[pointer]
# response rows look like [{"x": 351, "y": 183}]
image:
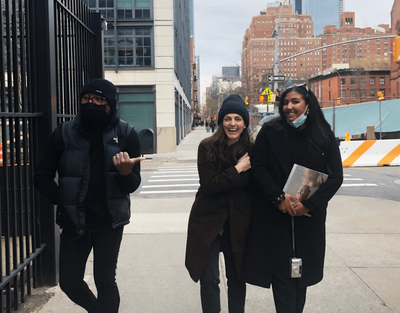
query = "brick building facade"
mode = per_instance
[
  {"x": 394, "y": 67},
  {"x": 296, "y": 35},
  {"x": 350, "y": 86},
  {"x": 378, "y": 48}
]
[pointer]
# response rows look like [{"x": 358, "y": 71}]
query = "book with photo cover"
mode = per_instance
[{"x": 303, "y": 182}]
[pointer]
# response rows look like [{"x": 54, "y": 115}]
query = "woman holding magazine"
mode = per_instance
[
  {"x": 286, "y": 244},
  {"x": 220, "y": 215}
]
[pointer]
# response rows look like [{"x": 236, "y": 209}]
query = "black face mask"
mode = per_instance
[{"x": 94, "y": 115}]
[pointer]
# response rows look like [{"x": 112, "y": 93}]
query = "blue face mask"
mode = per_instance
[{"x": 299, "y": 121}]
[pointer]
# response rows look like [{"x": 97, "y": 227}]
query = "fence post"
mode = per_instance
[
  {"x": 97, "y": 26},
  {"x": 44, "y": 90}
]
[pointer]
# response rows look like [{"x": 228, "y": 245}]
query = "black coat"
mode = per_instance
[
  {"x": 222, "y": 194},
  {"x": 269, "y": 247}
]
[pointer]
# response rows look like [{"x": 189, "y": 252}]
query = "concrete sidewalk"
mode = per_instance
[{"x": 362, "y": 269}]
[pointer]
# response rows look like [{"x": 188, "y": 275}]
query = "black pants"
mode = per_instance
[
  {"x": 288, "y": 297},
  {"x": 73, "y": 257},
  {"x": 209, "y": 280}
]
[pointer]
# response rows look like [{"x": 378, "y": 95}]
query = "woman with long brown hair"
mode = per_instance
[{"x": 221, "y": 212}]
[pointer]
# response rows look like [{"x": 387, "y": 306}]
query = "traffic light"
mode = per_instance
[
  {"x": 396, "y": 49},
  {"x": 380, "y": 95},
  {"x": 262, "y": 98},
  {"x": 338, "y": 100}
]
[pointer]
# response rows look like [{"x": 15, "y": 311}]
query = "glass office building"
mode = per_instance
[{"x": 323, "y": 12}]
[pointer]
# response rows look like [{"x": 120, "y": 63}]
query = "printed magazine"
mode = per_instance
[{"x": 303, "y": 182}]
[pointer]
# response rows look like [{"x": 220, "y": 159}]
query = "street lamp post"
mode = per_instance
[{"x": 276, "y": 35}]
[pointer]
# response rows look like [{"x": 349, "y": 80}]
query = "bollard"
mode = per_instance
[
  {"x": 1, "y": 154},
  {"x": 347, "y": 136}
]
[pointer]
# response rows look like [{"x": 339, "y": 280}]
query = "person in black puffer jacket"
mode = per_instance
[{"x": 97, "y": 157}]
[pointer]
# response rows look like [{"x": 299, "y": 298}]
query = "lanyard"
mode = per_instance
[{"x": 294, "y": 248}]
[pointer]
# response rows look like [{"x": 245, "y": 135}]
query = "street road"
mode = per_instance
[{"x": 174, "y": 180}]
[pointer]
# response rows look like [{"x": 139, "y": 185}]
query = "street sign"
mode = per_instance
[{"x": 272, "y": 78}]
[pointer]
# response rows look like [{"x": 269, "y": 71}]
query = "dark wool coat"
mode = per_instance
[
  {"x": 222, "y": 195},
  {"x": 269, "y": 247}
]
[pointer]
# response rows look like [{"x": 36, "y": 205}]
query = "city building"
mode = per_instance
[
  {"x": 147, "y": 55},
  {"x": 222, "y": 84},
  {"x": 395, "y": 67},
  {"x": 323, "y": 12},
  {"x": 375, "y": 50},
  {"x": 296, "y": 35},
  {"x": 349, "y": 86},
  {"x": 231, "y": 72}
]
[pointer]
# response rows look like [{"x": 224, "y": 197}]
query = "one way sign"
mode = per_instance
[{"x": 272, "y": 78}]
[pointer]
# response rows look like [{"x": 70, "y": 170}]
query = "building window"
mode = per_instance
[
  {"x": 353, "y": 94},
  {"x": 362, "y": 93},
  {"x": 343, "y": 93},
  {"x": 383, "y": 92},
  {"x": 362, "y": 81},
  {"x": 372, "y": 80},
  {"x": 381, "y": 80},
  {"x": 128, "y": 9},
  {"x": 352, "y": 80},
  {"x": 343, "y": 81},
  {"x": 372, "y": 93},
  {"x": 133, "y": 46}
]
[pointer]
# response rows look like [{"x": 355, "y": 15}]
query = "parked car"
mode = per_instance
[{"x": 256, "y": 130}]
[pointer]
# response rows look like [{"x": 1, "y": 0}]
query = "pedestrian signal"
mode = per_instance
[
  {"x": 262, "y": 98},
  {"x": 380, "y": 95}
]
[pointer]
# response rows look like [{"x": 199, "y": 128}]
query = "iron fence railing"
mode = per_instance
[{"x": 50, "y": 49}]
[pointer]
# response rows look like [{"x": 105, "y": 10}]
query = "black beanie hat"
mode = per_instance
[
  {"x": 102, "y": 87},
  {"x": 233, "y": 104}
]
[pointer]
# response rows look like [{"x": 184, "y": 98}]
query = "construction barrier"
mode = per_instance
[{"x": 370, "y": 152}]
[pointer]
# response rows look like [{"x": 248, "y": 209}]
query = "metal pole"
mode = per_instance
[
  {"x": 380, "y": 121},
  {"x": 276, "y": 35}
]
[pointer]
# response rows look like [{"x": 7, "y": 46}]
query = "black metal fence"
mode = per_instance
[{"x": 50, "y": 49}]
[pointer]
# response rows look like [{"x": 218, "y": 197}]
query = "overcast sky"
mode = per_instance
[{"x": 220, "y": 26}]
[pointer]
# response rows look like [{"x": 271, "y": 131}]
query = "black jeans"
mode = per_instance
[
  {"x": 73, "y": 257},
  {"x": 209, "y": 280},
  {"x": 288, "y": 297}
]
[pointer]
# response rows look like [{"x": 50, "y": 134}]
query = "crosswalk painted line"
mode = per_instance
[
  {"x": 190, "y": 175},
  {"x": 175, "y": 185},
  {"x": 359, "y": 185},
  {"x": 167, "y": 191},
  {"x": 347, "y": 178},
  {"x": 176, "y": 172},
  {"x": 172, "y": 179}
]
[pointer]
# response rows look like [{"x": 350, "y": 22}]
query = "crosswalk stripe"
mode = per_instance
[
  {"x": 352, "y": 179},
  {"x": 171, "y": 179},
  {"x": 176, "y": 172},
  {"x": 190, "y": 175},
  {"x": 167, "y": 191},
  {"x": 172, "y": 186},
  {"x": 358, "y": 185}
]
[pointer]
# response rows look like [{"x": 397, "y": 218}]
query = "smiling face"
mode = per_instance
[
  {"x": 294, "y": 105},
  {"x": 233, "y": 126}
]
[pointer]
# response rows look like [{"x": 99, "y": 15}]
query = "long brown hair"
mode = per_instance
[{"x": 219, "y": 147}]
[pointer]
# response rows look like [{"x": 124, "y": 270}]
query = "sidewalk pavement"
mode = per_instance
[{"x": 362, "y": 268}]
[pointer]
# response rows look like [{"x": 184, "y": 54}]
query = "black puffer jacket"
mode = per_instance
[{"x": 68, "y": 153}]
